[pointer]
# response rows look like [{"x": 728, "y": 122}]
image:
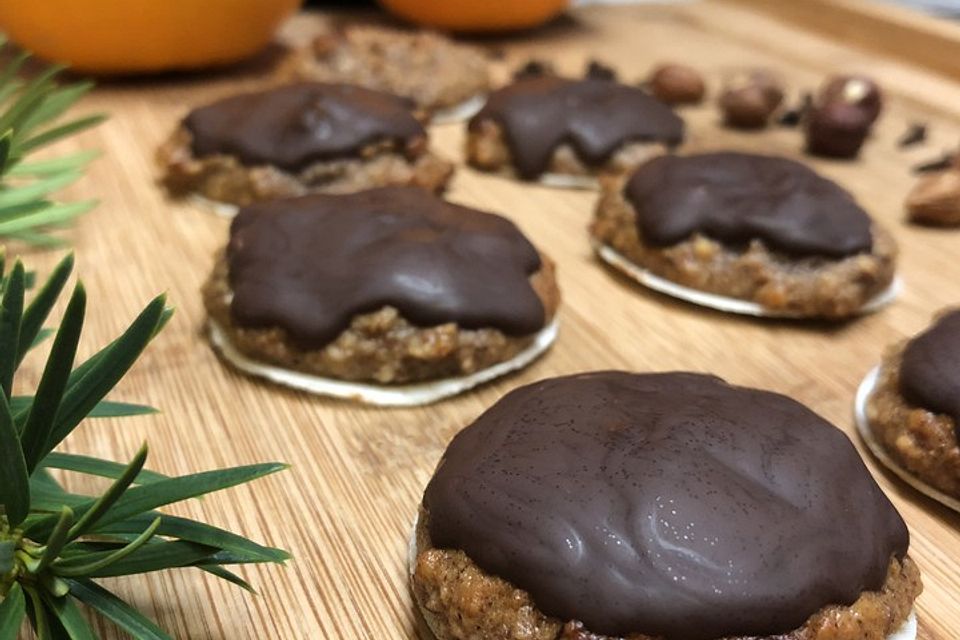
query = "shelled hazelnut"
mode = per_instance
[
  {"x": 750, "y": 98},
  {"x": 676, "y": 84}
]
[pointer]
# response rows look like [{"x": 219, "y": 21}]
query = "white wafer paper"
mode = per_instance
[
  {"x": 459, "y": 112},
  {"x": 876, "y": 448},
  {"x": 719, "y": 302},
  {"x": 381, "y": 395},
  {"x": 222, "y": 209},
  {"x": 564, "y": 181}
]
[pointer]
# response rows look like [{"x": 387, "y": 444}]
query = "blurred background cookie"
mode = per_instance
[
  {"x": 447, "y": 79},
  {"x": 567, "y": 132},
  {"x": 295, "y": 139}
]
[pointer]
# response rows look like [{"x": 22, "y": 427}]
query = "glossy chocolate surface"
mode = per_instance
[
  {"x": 672, "y": 505},
  {"x": 930, "y": 371},
  {"x": 309, "y": 265},
  {"x": 293, "y": 126},
  {"x": 596, "y": 117},
  {"x": 735, "y": 198}
]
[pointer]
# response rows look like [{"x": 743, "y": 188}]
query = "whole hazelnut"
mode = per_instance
[
  {"x": 677, "y": 84},
  {"x": 750, "y": 98},
  {"x": 837, "y": 129},
  {"x": 857, "y": 90}
]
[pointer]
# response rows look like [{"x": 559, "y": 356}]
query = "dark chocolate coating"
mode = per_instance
[
  {"x": 930, "y": 371},
  {"x": 672, "y": 505},
  {"x": 596, "y": 117},
  {"x": 310, "y": 264},
  {"x": 295, "y": 125},
  {"x": 737, "y": 197}
]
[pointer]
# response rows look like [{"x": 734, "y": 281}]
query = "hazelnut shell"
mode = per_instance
[
  {"x": 857, "y": 90},
  {"x": 837, "y": 130}
]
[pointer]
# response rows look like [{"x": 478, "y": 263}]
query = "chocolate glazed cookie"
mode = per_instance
[
  {"x": 670, "y": 506},
  {"x": 914, "y": 409},
  {"x": 754, "y": 228},
  {"x": 570, "y": 127},
  {"x": 388, "y": 286},
  {"x": 298, "y": 138}
]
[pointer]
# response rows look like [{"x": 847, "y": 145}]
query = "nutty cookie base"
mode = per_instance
[
  {"x": 459, "y": 601},
  {"x": 223, "y": 178},
  {"x": 807, "y": 287},
  {"x": 487, "y": 150},
  {"x": 380, "y": 347},
  {"x": 922, "y": 442}
]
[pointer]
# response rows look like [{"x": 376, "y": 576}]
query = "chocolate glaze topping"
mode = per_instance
[
  {"x": 672, "y": 505},
  {"x": 737, "y": 197},
  {"x": 930, "y": 371},
  {"x": 296, "y": 125},
  {"x": 310, "y": 264},
  {"x": 597, "y": 117}
]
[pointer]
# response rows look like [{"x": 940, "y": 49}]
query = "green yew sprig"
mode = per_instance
[
  {"x": 56, "y": 545},
  {"x": 30, "y": 119}
]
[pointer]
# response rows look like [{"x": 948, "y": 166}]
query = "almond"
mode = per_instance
[{"x": 935, "y": 199}]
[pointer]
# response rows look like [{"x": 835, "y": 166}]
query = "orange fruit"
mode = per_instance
[
  {"x": 477, "y": 15},
  {"x": 136, "y": 36}
]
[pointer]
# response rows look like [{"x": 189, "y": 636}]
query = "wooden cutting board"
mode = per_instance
[{"x": 345, "y": 508}]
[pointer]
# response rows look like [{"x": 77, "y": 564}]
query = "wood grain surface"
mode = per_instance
[
  {"x": 881, "y": 27},
  {"x": 346, "y": 506}
]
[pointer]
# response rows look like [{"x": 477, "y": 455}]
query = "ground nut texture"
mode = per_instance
[
  {"x": 808, "y": 286},
  {"x": 460, "y": 601},
  {"x": 487, "y": 149},
  {"x": 919, "y": 440},
  {"x": 381, "y": 346},
  {"x": 428, "y": 68},
  {"x": 224, "y": 178}
]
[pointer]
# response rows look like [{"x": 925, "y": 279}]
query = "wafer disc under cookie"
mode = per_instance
[
  {"x": 719, "y": 302},
  {"x": 866, "y": 433},
  {"x": 222, "y": 209},
  {"x": 907, "y": 632},
  {"x": 382, "y": 395},
  {"x": 459, "y": 112},
  {"x": 564, "y": 181}
]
